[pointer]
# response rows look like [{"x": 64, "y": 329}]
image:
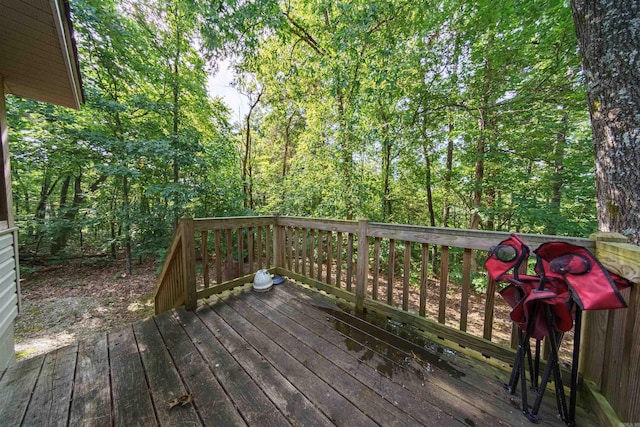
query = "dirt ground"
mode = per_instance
[{"x": 63, "y": 303}]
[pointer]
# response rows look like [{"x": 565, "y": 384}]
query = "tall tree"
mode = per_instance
[{"x": 608, "y": 34}]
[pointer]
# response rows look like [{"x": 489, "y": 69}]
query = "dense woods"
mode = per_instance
[{"x": 454, "y": 114}]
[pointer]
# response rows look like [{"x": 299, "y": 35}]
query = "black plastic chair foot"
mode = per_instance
[{"x": 532, "y": 417}]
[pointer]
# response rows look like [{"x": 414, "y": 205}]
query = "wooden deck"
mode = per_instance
[{"x": 286, "y": 357}]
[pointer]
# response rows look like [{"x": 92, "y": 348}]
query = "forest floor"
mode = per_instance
[{"x": 66, "y": 302}]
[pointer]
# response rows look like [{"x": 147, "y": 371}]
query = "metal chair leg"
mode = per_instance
[{"x": 574, "y": 367}]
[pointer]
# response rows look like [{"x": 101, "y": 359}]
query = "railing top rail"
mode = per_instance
[
  {"x": 337, "y": 225},
  {"x": 225, "y": 223},
  {"x": 456, "y": 237},
  {"x": 177, "y": 238}
]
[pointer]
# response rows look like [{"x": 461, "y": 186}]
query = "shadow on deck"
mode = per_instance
[{"x": 285, "y": 357}]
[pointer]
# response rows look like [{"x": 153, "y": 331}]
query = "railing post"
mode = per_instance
[
  {"x": 362, "y": 266},
  {"x": 278, "y": 243},
  {"x": 610, "y": 338},
  {"x": 189, "y": 263}
]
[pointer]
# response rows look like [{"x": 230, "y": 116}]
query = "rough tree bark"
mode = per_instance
[
  {"x": 247, "y": 175},
  {"x": 609, "y": 38}
]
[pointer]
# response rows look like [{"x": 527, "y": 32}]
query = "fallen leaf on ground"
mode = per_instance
[{"x": 180, "y": 401}]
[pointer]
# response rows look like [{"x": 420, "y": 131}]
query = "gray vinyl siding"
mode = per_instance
[{"x": 9, "y": 294}]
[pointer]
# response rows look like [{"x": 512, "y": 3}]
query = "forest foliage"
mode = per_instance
[{"x": 456, "y": 114}]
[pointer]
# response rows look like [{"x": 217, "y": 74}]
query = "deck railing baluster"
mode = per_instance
[
  {"x": 391, "y": 261},
  {"x": 488, "y": 309},
  {"x": 466, "y": 288},
  {"x": 205, "y": 257},
  {"x": 218, "y": 250},
  {"x": 290, "y": 261},
  {"x": 362, "y": 266},
  {"x": 259, "y": 247},
  {"x": 339, "y": 260},
  {"x": 424, "y": 272},
  {"x": 229, "y": 255},
  {"x": 250, "y": 248},
  {"x": 319, "y": 259},
  {"x": 329, "y": 257},
  {"x": 376, "y": 268},
  {"x": 349, "y": 260},
  {"x": 311, "y": 252},
  {"x": 240, "y": 243},
  {"x": 444, "y": 280},
  {"x": 406, "y": 275},
  {"x": 267, "y": 247},
  {"x": 303, "y": 260},
  {"x": 296, "y": 250}
]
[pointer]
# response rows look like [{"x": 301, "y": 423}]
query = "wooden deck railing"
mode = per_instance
[
  {"x": 176, "y": 284},
  {"x": 409, "y": 274}
]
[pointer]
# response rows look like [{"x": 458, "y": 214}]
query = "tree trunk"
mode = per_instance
[
  {"x": 607, "y": 33},
  {"x": 447, "y": 175},
  {"x": 67, "y": 214},
  {"x": 428, "y": 184},
  {"x": 386, "y": 177},
  {"x": 346, "y": 157},
  {"x": 175, "y": 71},
  {"x": 558, "y": 180},
  {"x": 127, "y": 225},
  {"x": 478, "y": 176},
  {"x": 247, "y": 171},
  {"x": 62, "y": 210},
  {"x": 285, "y": 157}
]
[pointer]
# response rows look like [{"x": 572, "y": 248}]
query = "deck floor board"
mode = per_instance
[
  {"x": 384, "y": 375},
  {"x": 51, "y": 397},
  {"x": 237, "y": 378},
  {"x": 335, "y": 406},
  {"x": 285, "y": 357},
  {"x": 131, "y": 398},
  {"x": 405, "y": 406},
  {"x": 359, "y": 394},
  {"x": 467, "y": 395},
  {"x": 91, "y": 398},
  {"x": 162, "y": 377}
]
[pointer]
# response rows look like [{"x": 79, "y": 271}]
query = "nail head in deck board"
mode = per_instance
[
  {"x": 208, "y": 397},
  {"x": 275, "y": 384},
  {"x": 131, "y": 399},
  {"x": 164, "y": 382},
  {"x": 16, "y": 386},
  {"x": 371, "y": 403},
  {"x": 337, "y": 408},
  {"x": 52, "y": 394},
  {"x": 91, "y": 402},
  {"x": 263, "y": 396}
]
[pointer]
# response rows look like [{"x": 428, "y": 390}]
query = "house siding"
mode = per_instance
[{"x": 9, "y": 294}]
